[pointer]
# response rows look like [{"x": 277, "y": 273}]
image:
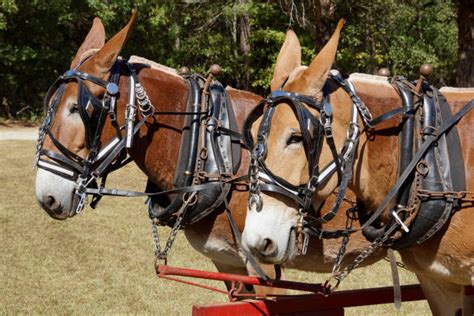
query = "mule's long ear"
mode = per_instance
[
  {"x": 95, "y": 39},
  {"x": 101, "y": 63},
  {"x": 315, "y": 75},
  {"x": 288, "y": 59}
]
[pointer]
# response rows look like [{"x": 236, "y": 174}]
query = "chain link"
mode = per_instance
[
  {"x": 449, "y": 195},
  {"x": 399, "y": 264},
  {"x": 42, "y": 134},
  {"x": 345, "y": 239},
  {"x": 340, "y": 255},
  {"x": 163, "y": 254},
  {"x": 255, "y": 200},
  {"x": 372, "y": 248},
  {"x": 144, "y": 103},
  {"x": 39, "y": 144},
  {"x": 156, "y": 238}
]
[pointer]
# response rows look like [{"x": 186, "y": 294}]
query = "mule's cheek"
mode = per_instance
[{"x": 55, "y": 194}]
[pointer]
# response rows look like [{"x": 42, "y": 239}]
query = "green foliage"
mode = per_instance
[
  {"x": 38, "y": 39},
  {"x": 399, "y": 35}
]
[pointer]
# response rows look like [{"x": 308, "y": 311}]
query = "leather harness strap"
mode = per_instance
[
  {"x": 100, "y": 162},
  {"x": 272, "y": 183},
  {"x": 403, "y": 177}
]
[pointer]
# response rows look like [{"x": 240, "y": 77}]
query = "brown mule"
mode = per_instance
[
  {"x": 155, "y": 151},
  {"x": 444, "y": 263}
]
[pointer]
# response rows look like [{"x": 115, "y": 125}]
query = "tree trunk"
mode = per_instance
[
  {"x": 316, "y": 16},
  {"x": 244, "y": 22},
  {"x": 465, "y": 69},
  {"x": 321, "y": 18}
]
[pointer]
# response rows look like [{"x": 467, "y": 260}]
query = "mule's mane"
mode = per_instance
[
  {"x": 366, "y": 78},
  {"x": 154, "y": 65},
  {"x": 374, "y": 79},
  {"x": 455, "y": 89},
  {"x": 136, "y": 60}
]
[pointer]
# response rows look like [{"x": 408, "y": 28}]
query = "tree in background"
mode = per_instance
[
  {"x": 399, "y": 35},
  {"x": 37, "y": 42},
  {"x": 465, "y": 20},
  {"x": 39, "y": 38}
]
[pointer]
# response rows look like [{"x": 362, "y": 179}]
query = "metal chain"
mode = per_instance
[
  {"x": 255, "y": 200},
  {"x": 42, "y": 134},
  {"x": 144, "y": 103},
  {"x": 39, "y": 143},
  {"x": 340, "y": 255},
  {"x": 349, "y": 88},
  {"x": 363, "y": 109},
  {"x": 163, "y": 254},
  {"x": 348, "y": 200},
  {"x": 374, "y": 246},
  {"x": 345, "y": 241},
  {"x": 449, "y": 195},
  {"x": 156, "y": 238},
  {"x": 399, "y": 264}
]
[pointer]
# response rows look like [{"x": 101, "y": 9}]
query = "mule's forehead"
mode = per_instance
[
  {"x": 285, "y": 115},
  {"x": 293, "y": 83}
]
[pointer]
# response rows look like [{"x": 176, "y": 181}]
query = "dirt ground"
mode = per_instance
[
  {"x": 102, "y": 262},
  {"x": 18, "y": 132}
]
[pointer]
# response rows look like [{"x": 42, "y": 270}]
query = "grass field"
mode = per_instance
[{"x": 101, "y": 262}]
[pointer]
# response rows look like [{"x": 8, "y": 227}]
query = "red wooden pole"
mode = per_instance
[
  {"x": 252, "y": 280},
  {"x": 311, "y": 304}
]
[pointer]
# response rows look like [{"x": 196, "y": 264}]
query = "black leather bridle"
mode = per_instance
[
  {"x": 314, "y": 130},
  {"x": 101, "y": 160},
  {"x": 311, "y": 132}
]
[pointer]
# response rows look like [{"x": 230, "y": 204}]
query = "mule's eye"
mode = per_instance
[
  {"x": 295, "y": 138},
  {"x": 74, "y": 108}
]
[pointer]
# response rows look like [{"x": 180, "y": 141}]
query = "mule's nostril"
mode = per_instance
[
  {"x": 267, "y": 247},
  {"x": 267, "y": 243},
  {"x": 51, "y": 203}
]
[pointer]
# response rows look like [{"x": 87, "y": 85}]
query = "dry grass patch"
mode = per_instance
[{"x": 101, "y": 262}]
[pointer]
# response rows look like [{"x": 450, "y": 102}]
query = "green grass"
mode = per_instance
[{"x": 101, "y": 262}]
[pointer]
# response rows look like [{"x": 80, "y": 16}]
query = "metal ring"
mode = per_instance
[{"x": 255, "y": 200}]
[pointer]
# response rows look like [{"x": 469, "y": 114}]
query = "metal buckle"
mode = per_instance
[
  {"x": 399, "y": 221},
  {"x": 255, "y": 200},
  {"x": 82, "y": 201},
  {"x": 81, "y": 192},
  {"x": 259, "y": 149}
]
